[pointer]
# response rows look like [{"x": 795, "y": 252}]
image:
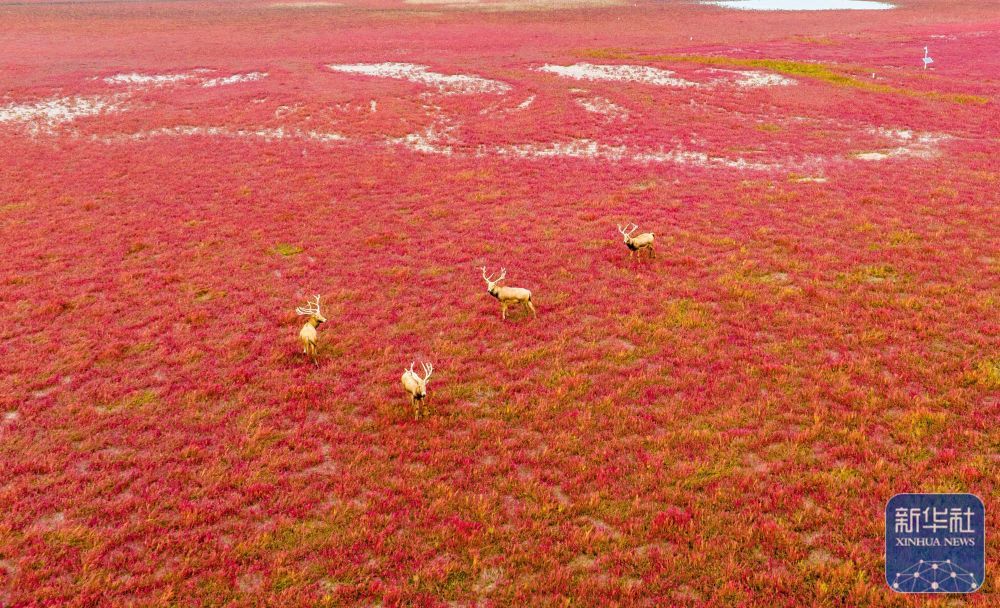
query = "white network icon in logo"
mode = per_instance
[{"x": 935, "y": 577}]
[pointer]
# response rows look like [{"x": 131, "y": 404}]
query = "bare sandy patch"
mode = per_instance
[
  {"x": 681, "y": 156},
  {"x": 149, "y": 80},
  {"x": 604, "y": 107},
  {"x": 575, "y": 148},
  {"x": 907, "y": 144},
  {"x": 431, "y": 140},
  {"x": 589, "y": 149},
  {"x": 47, "y": 114},
  {"x": 437, "y": 138},
  {"x": 234, "y": 79},
  {"x": 266, "y": 134},
  {"x": 501, "y": 108},
  {"x": 449, "y": 84},
  {"x": 755, "y": 78},
  {"x": 618, "y": 73},
  {"x": 49, "y": 522},
  {"x": 136, "y": 80}
]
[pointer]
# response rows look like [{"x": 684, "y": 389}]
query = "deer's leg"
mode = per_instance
[
  {"x": 416, "y": 407},
  {"x": 503, "y": 310},
  {"x": 531, "y": 307}
]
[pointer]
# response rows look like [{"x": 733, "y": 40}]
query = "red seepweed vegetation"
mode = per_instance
[{"x": 719, "y": 425}]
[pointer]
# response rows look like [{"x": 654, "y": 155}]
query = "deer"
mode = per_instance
[
  {"x": 308, "y": 333},
  {"x": 417, "y": 387},
  {"x": 507, "y": 295},
  {"x": 637, "y": 243}
]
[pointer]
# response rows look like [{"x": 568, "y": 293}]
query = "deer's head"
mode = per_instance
[
  {"x": 421, "y": 383},
  {"x": 491, "y": 283},
  {"x": 627, "y": 231}
]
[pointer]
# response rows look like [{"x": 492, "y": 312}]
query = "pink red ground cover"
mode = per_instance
[{"x": 719, "y": 426}]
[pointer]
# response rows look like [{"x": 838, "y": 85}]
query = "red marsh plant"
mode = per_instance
[{"x": 718, "y": 426}]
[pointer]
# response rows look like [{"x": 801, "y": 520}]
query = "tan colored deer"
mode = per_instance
[
  {"x": 637, "y": 243},
  {"x": 417, "y": 387},
  {"x": 308, "y": 333},
  {"x": 508, "y": 295}
]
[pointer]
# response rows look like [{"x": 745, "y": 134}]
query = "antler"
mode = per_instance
[
  {"x": 311, "y": 308},
  {"x": 628, "y": 229},
  {"x": 489, "y": 279},
  {"x": 428, "y": 370}
]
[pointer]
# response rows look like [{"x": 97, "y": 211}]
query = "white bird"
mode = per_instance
[{"x": 927, "y": 59}]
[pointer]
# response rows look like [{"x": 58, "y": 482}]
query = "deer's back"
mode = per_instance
[
  {"x": 513, "y": 293},
  {"x": 643, "y": 240},
  {"x": 410, "y": 382}
]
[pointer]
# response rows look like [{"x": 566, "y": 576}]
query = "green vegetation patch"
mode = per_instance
[
  {"x": 286, "y": 250},
  {"x": 802, "y": 69}
]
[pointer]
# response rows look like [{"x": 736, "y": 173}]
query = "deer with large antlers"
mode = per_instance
[
  {"x": 507, "y": 295},
  {"x": 308, "y": 333},
  {"x": 637, "y": 243},
  {"x": 417, "y": 387}
]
